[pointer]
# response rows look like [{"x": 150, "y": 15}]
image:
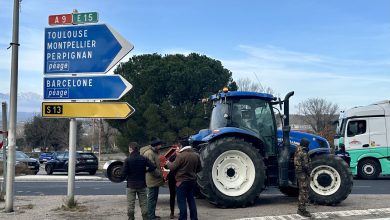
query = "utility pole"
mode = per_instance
[
  {"x": 9, "y": 201},
  {"x": 5, "y": 135},
  {"x": 99, "y": 139}
]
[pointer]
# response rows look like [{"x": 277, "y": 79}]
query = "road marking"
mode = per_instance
[
  {"x": 330, "y": 215},
  {"x": 378, "y": 219}
]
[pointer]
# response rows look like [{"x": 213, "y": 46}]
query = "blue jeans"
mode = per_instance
[
  {"x": 186, "y": 192},
  {"x": 152, "y": 202}
]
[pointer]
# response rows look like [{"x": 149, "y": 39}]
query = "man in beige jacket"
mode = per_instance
[{"x": 154, "y": 179}]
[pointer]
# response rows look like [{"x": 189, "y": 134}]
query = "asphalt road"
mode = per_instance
[{"x": 105, "y": 187}]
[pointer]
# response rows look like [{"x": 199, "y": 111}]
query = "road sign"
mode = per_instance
[
  {"x": 83, "y": 49},
  {"x": 107, "y": 87},
  {"x": 107, "y": 110},
  {"x": 86, "y": 17},
  {"x": 63, "y": 19}
]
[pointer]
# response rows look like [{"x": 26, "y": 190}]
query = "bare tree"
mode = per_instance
[
  {"x": 49, "y": 133},
  {"x": 108, "y": 137},
  {"x": 99, "y": 133},
  {"x": 246, "y": 84},
  {"x": 318, "y": 113}
]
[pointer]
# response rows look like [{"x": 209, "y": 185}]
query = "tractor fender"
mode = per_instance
[
  {"x": 112, "y": 169},
  {"x": 318, "y": 151}
]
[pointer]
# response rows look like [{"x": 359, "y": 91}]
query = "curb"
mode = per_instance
[{"x": 56, "y": 178}]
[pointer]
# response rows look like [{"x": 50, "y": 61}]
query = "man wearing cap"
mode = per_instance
[
  {"x": 302, "y": 170},
  {"x": 154, "y": 179},
  {"x": 134, "y": 168}
]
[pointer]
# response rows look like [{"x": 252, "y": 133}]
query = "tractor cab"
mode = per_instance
[{"x": 247, "y": 111}]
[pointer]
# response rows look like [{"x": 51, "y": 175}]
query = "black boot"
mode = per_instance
[{"x": 304, "y": 213}]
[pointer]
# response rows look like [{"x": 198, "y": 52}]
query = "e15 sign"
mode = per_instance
[{"x": 88, "y": 17}]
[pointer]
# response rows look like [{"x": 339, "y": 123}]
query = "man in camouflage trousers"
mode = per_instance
[{"x": 302, "y": 170}]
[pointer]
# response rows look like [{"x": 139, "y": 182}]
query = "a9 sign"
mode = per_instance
[{"x": 63, "y": 19}]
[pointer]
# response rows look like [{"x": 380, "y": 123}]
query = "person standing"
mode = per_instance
[
  {"x": 154, "y": 179},
  {"x": 302, "y": 170},
  {"x": 185, "y": 167},
  {"x": 172, "y": 187},
  {"x": 134, "y": 168}
]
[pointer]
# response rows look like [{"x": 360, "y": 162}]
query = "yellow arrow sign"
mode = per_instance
[{"x": 113, "y": 110}]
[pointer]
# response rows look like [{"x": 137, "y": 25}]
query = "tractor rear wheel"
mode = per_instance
[
  {"x": 331, "y": 180},
  {"x": 233, "y": 172}
]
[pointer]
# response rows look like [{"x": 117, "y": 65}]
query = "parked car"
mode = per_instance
[
  {"x": 45, "y": 156},
  {"x": 85, "y": 162},
  {"x": 24, "y": 161}
]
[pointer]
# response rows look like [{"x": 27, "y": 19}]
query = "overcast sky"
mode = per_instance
[{"x": 334, "y": 49}]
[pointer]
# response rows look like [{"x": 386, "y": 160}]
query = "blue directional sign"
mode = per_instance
[
  {"x": 83, "y": 49},
  {"x": 106, "y": 87}
]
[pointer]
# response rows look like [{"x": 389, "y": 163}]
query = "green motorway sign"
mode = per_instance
[{"x": 87, "y": 17}]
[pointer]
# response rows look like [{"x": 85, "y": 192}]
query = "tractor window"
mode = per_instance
[
  {"x": 243, "y": 115},
  {"x": 253, "y": 114},
  {"x": 264, "y": 120},
  {"x": 218, "y": 119}
]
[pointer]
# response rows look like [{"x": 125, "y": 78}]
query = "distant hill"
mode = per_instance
[
  {"x": 21, "y": 117},
  {"x": 29, "y": 104}
]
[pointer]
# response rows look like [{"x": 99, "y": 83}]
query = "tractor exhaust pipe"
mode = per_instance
[{"x": 284, "y": 154}]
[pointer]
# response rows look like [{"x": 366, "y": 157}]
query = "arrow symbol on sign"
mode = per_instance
[
  {"x": 104, "y": 87},
  {"x": 83, "y": 49},
  {"x": 107, "y": 110}
]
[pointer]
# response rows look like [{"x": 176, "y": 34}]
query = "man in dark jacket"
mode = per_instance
[
  {"x": 302, "y": 170},
  {"x": 134, "y": 168},
  {"x": 185, "y": 167}
]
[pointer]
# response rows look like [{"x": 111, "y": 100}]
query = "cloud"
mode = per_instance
[{"x": 347, "y": 82}]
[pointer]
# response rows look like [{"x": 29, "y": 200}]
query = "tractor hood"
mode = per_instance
[
  {"x": 296, "y": 136},
  {"x": 206, "y": 135}
]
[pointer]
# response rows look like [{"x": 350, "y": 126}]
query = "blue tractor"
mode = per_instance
[{"x": 243, "y": 153}]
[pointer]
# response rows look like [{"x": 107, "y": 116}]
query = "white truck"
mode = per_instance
[{"x": 364, "y": 132}]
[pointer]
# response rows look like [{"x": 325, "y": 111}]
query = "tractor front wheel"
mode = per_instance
[
  {"x": 331, "y": 180},
  {"x": 233, "y": 173}
]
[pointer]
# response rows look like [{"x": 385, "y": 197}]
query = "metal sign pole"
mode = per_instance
[
  {"x": 72, "y": 157},
  {"x": 5, "y": 134},
  {"x": 9, "y": 201},
  {"x": 72, "y": 160}
]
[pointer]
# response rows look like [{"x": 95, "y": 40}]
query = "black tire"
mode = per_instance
[
  {"x": 92, "y": 172},
  {"x": 49, "y": 169},
  {"x": 114, "y": 173},
  {"x": 289, "y": 191},
  {"x": 368, "y": 169},
  {"x": 248, "y": 191},
  {"x": 331, "y": 180}
]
